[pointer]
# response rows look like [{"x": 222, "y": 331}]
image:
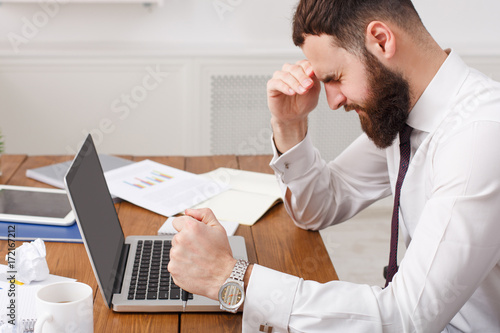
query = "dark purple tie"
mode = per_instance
[{"x": 404, "y": 150}]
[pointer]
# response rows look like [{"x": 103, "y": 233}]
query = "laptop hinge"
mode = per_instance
[{"x": 117, "y": 287}]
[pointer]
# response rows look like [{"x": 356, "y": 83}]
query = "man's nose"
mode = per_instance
[{"x": 334, "y": 96}]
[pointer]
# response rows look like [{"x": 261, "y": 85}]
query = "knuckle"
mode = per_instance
[
  {"x": 175, "y": 280},
  {"x": 209, "y": 212},
  {"x": 183, "y": 218},
  {"x": 288, "y": 76},
  {"x": 173, "y": 256},
  {"x": 206, "y": 210},
  {"x": 303, "y": 62},
  {"x": 285, "y": 66},
  {"x": 188, "y": 226},
  {"x": 171, "y": 268},
  {"x": 284, "y": 86},
  {"x": 177, "y": 240}
]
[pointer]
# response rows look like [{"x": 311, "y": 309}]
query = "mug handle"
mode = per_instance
[{"x": 40, "y": 321}]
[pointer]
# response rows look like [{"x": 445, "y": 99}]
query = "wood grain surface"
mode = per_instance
[{"x": 274, "y": 242}]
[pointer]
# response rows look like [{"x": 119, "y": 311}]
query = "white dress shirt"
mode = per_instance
[{"x": 449, "y": 279}]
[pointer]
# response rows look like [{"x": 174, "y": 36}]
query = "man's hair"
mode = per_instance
[{"x": 346, "y": 20}]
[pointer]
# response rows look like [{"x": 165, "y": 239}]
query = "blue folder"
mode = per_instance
[{"x": 29, "y": 232}]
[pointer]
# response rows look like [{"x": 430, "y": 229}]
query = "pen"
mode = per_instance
[{"x": 184, "y": 299}]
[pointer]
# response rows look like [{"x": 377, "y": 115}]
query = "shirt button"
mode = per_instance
[{"x": 287, "y": 165}]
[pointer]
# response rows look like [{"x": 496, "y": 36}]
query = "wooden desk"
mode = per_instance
[{"x": 273, "y": 242}]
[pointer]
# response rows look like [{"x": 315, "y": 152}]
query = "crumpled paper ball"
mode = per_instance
[{"x": 31, "y": 264}]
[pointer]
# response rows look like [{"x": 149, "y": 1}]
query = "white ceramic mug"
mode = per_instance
[{"x": 64, "y": 307}]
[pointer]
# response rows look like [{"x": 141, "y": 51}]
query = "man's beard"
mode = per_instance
[{"x": 387, "y": 106}]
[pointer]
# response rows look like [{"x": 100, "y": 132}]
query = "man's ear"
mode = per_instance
[{"x": 380, "y": 40}]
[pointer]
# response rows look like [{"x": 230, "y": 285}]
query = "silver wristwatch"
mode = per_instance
[{"x": 232, "y": 292}]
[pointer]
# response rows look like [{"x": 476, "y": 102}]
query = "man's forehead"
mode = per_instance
[{"x": 325, "y": 57}]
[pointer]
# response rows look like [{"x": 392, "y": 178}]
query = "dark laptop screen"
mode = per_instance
[{"x": 95, "y": 211}]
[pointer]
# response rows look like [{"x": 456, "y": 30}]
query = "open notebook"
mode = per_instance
[{"x": 249, "y": 197}]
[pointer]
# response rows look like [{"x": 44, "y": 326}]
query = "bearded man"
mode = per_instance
[{"x": 432, "y": 127}]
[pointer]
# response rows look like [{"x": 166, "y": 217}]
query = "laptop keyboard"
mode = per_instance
[{"x": 150, "y": 277}]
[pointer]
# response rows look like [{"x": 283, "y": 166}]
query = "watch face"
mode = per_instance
[{"x": 231, "y": 295}]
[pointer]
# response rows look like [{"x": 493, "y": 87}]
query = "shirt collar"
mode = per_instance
[{"x": 432, "y": 106}]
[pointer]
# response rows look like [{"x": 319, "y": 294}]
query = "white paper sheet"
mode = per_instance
[{"x": 160, "y": 188}]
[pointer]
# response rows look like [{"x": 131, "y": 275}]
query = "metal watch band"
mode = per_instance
[{"x": 239, "y": 270}]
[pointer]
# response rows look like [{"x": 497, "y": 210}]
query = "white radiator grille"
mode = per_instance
[{"x": 239, "y": 115}]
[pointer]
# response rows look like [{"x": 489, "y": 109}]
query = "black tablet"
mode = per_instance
[{"x": 35, "y": 205}]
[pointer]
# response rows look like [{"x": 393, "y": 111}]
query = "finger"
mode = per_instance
[
  {"x": 306, "y": 66},
  {"x": 276, "y": 87},
  {"x": 179, "y": 222},
  {"x": 205, "y": 215},
  {"x": 295, "y": 77},
  {"x": 308, "y": 69},
  {"x": 292, "y": 83},
  {"x": 174, "y": 240}
]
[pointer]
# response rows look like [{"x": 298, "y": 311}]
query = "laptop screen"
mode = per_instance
[{"x": 96, "y": 214}]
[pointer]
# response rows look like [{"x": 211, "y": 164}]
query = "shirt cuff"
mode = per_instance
[
  {"x": 295, "y": 162},
  {"x": 269, "y": 299}
]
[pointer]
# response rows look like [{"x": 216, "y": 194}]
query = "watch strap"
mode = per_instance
[{"x": 239, "y": 270}]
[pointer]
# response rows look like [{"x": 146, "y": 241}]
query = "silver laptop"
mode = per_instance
[{"x": 132, "y": 273}]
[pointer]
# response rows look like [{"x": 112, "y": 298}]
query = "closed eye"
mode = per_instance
[{"x": 331, "y": 78}]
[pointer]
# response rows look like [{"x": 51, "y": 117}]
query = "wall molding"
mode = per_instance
[{"x": 127, "y": 49}]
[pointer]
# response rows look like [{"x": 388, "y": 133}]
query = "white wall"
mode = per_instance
[
  {"x": 191, "y": 25},
  {"x": 470, "y": 27},
  {"x": 212, "y": 25},
  {"x": 68, "y": 68}
]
